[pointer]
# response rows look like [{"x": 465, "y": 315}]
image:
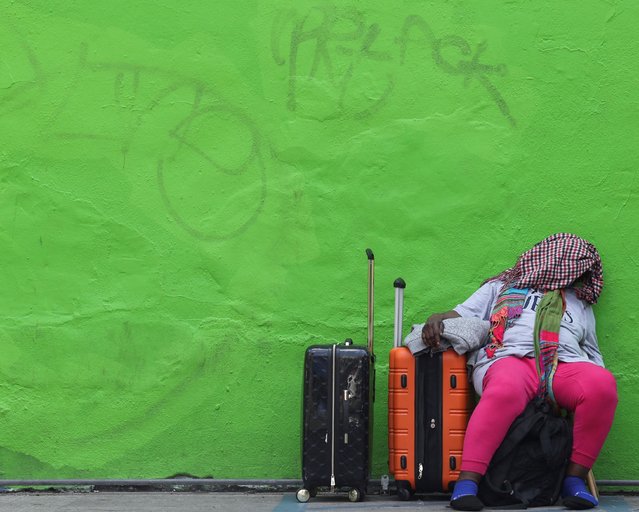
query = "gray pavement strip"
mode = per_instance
[
  {"x": 240, "y": 502},
  {"x": 378, "y": 503}
]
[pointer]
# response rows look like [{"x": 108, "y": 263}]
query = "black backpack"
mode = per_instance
[{"x": 528, "y": 468}]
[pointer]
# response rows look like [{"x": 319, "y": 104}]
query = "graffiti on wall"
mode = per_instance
[
  {"x": 338, "y": 42},
  {"x": 210, "y": 169},
  {"x": 115, "y": 104}
]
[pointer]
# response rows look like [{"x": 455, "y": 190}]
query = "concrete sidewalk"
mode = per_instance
[{"x": 240, "y": 502}]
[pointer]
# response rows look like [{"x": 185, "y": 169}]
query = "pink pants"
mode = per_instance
[{"x": 510, "y": 383}]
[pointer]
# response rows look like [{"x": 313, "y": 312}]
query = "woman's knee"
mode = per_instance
[
  {"x": 605, "y": 387},
  {"x": 600, "y": 386}
]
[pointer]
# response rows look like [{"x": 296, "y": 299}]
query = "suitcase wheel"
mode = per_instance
[
  {"x": 355, "y": 495},
  {"x": 404, "y": 491},
  {"x": 303, "y": 495}
]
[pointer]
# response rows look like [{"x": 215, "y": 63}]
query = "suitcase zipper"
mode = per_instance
[
  {"x": 333, "y": 422},
  {"x": 428, "y": 392}
]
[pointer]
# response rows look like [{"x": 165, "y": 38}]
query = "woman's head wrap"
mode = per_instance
[{"x": 559, "y": 261}]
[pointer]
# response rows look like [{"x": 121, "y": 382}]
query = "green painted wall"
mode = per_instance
[{"x": 187, "y": 190}]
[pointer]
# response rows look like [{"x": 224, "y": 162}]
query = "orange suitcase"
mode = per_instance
[{"x": 429, "y": 403}]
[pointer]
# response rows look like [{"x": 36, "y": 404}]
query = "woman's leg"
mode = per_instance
[
  {"x": 588, "y": 390},
  {"x": 508, "y": 386},
  {"x": 591, "y": 392}
]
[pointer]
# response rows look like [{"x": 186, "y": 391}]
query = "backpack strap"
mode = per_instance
[{"x": 514, "y": 499}]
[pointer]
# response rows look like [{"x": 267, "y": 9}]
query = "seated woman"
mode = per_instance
[{"x": 561, "y": 275}]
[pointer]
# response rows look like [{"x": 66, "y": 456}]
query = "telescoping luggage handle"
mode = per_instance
[
  {"x": 371, "y": 279},
  {"x": 399, "y": 310}
]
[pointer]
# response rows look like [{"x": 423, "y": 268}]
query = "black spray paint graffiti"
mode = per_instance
[
  {"x": 18, "y": 92},
  {"x": 469, "y": 69},
  {"x": 205, "y": 104},
  {"x": 335, "y": 34},
  {"x": 346, "y": 28},
  {"x": 125, "y": 95},
  {"x": 253, "y": 158}
]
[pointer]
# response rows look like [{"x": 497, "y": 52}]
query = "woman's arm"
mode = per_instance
[
  {"x": 478, "y": 305},
  {"x": 434, "y": 327},
  {"x": 589, "y": 344}
]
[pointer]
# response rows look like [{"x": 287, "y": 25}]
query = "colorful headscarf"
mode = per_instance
[{"x": 555, "y": 263}]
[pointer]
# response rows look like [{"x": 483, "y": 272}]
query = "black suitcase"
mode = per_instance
[{"x": 337, "y": 413}]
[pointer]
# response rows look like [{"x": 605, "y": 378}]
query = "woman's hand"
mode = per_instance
[{"x": 434, "y": 328}]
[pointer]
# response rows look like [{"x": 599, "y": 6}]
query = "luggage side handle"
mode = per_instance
[{"x": 346, "y": 416}]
